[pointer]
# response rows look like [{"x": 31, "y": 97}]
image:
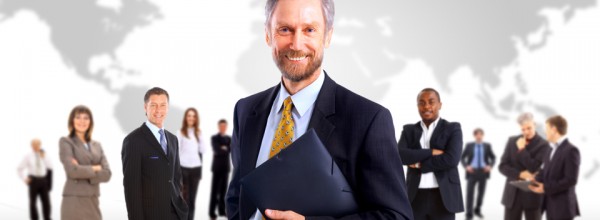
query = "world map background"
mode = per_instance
[{"x": 490, "y": 60}]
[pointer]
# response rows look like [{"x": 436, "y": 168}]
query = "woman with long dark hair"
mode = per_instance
[
  {"x": 191, "y": 148},
  {"x": 85, "y": 165}
]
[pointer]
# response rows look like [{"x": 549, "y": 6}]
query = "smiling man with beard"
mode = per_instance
[
  {"x": 431, "y": 149},
  {"x": 358, "y": 133}
]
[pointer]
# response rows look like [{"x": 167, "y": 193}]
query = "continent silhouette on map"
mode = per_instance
[
  {"x": 130, "y": 113},
  {"x": 82, "y": 29},
  {"x": 446, "y": 35}
]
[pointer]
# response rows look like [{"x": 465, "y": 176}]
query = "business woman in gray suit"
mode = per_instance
[{"x": 85, "y": 166}]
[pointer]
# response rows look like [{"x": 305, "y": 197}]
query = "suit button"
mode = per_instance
[{"x": 169, "y": 181}]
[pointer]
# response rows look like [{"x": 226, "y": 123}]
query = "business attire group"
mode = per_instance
[
  {"x": 559, "y": 176},
  {"x": 36, "y": 170},
  {"x": 358, "y": 133},
  {"x": 480, "y": 158},
  {"x": 81, "y": 190},
  {"x": 514, "y": 161},
  {"x": 152, "y": 174},
  {"x": 191, "y": 149},
  {"x": 434, "y": 187},
  {"x": 221, "y": 145}
]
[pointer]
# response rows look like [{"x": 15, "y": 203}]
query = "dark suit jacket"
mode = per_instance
[
  {"x": 221, "y": 162},
  {"x": 513, "y": 162},
  {"x": 152, "y": 180},
  {"x": 488, "y": 156},
  {"x": 559, "y": 176},
  {"x": 447, "y": 136},
  {"x": 359, "y": 135}
]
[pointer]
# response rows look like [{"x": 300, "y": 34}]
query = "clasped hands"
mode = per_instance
[
  {"x": 95, "y": 168},
  {"x": 434, "y": 152}
]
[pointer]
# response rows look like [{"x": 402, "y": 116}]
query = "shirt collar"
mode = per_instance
[
  {"x": 153, "y": 127},
  {"x": 304, "y": 99},
  {"x": 559, "y": 142},
  {"x": 431, "y": 126}
]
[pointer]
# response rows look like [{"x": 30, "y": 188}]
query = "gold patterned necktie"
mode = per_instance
[{"x": 284, "y": 135}]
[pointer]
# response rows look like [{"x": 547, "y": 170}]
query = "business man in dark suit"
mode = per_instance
[
  {"x": 558, "y": 178},
  {"x": 358, "y": 133},
  {"x": 151, "y": 171},
  {"x": 431, "y": 149},
  {"x": 478, "y": 160},
  {"x": 221, "y": 145},
  {"x": 521, "y": 159}
]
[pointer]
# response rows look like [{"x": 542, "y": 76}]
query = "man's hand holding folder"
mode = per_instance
[{"x": 304, "y": 179}]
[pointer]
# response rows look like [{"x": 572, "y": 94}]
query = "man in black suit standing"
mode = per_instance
[
  {"x": 151, "y": 171},
  {"x": 521, "y": 159},
  {"x": 221, "y": 145},
  {"x": 358, "y": 133},
  {"x": 431, "y": 149},
  {"x": 478, "y": 160},
  {"x": 558, "y": 178}
]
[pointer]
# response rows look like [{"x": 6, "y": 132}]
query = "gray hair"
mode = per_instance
[
  {"x": 326, "y": 5},
  {"x": 525, "y": 117}
]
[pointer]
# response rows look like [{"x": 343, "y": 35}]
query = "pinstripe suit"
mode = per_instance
[
  {"x": 152, "y": 180},
  {"x": 359, "y": 135}
]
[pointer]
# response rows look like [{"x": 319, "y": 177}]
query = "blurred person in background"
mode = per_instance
[
  {"x": 38, "y": 179},
  {"x": 522, "y": 158},
  {"x": 559, "y": 174},
  {"x": 221, "y": 145},
  {"x": 85, "y": 167},
  {"x": 191, "y": 148},
  {"x": 478, "y": 160}
]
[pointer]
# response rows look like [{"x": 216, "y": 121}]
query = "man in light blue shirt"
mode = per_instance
[{"x": 478, "y": 159}]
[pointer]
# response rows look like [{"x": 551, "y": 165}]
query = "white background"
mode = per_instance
[{"x": 196, "y": 51}]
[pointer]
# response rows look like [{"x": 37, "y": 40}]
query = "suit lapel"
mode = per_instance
[
  {"x": 437, "y": 132},
  {"x": 557, "y": 155},
  {"x": 254, "y": 131},
  {"x": 79, "y": 146},
  {"x": 151, "y": 139},
  {"x": 417, "y": 135},
  {"x": 324, "y": 107},
  {"x": 170, "y": 146}
]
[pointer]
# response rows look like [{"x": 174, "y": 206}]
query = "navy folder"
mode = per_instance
[{"x": 302, "y": 178}]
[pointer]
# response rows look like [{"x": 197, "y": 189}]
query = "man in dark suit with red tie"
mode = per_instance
[
  {"x": 431, "y": 149},
  {"x": 151, "y": 171},
  {"x": 478, "y": 160},
  {"x": 558, "y": 178},
  {"x": 522, "y": 158},
  {"x": 358, "y": 133}
]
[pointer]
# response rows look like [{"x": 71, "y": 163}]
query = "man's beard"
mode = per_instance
[{"x": 297, "y": 72}]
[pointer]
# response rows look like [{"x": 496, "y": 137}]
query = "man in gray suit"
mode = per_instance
[{"x": 522, "y": 158}]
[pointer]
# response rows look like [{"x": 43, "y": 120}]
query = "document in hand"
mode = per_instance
[
  {"x": 522, "y": 184},
  {"x": 302, "y": 178}
]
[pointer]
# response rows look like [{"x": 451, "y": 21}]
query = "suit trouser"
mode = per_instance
[
  {"x": 518, "y": 209},
  {"x": 428, "y": 205},
  {"x": 191, "y": 179},
  {"x": 477, "y": 178},
  {"x": 39, "y": 186},
  {"x": 217, "y": 193}
]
